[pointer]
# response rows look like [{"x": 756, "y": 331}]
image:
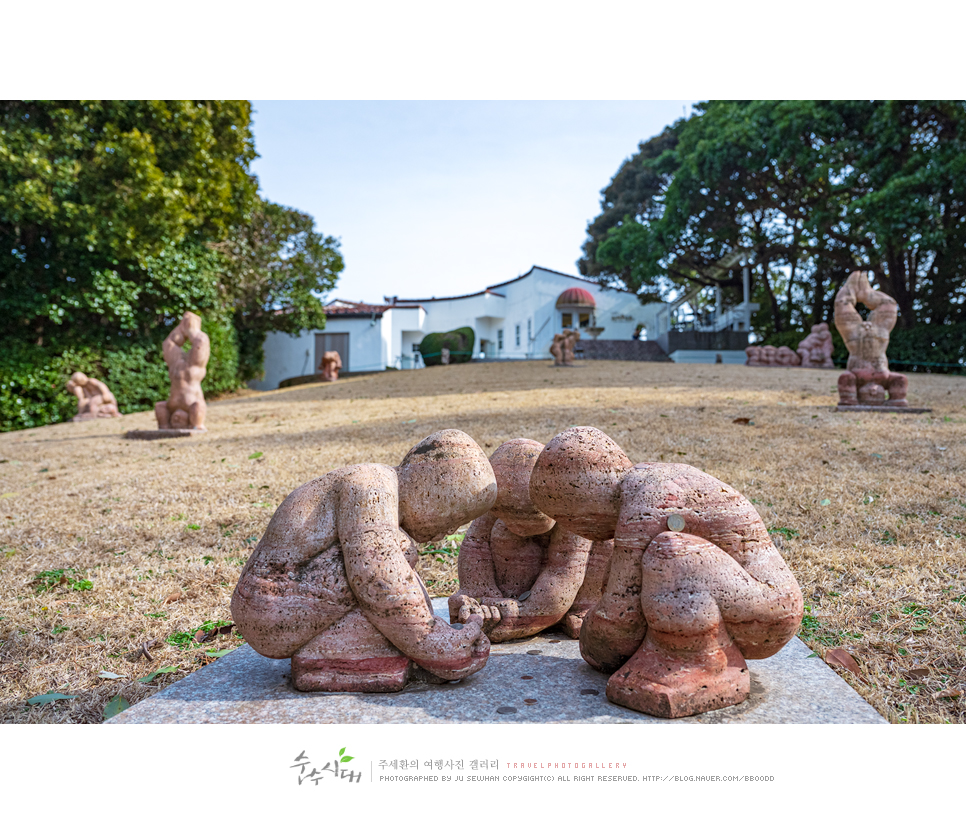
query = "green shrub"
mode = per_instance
[{"x": 459, "y": 342}]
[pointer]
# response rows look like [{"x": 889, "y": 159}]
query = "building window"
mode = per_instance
[
  {"x": 499, "y": 339},
  {"x": 567, "y": 320},
  {"x": 584, "y": 317},
  {"x": 416, "y": 347},
  {"x": 529, "y": 330},
  {"x": 518, "y": 335}
]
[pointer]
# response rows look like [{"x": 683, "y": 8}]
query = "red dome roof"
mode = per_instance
[{"x": 576, "y": 296}]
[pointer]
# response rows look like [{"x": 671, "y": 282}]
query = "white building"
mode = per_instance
[{"x": 516, "y": 319}]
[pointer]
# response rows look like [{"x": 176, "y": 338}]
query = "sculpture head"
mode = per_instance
[
  {"x": 577, "y": 482},
  {"x": 79, "y": 379},
  {"x": 444, "y": 482},
  {"x": 512, "y": 463}
]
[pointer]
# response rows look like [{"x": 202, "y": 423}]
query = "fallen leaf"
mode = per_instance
[
  {"x": 747, "y": 421},
  {"x": 205, "y": 636},
  {"x": 947, "y": 694},
  {"x": 40, "y": 700},
  {"x": 916, "y": 674},
  {"x": 255, "y": 455},
  {"x": 109, "y": 675},
  {"x": 841, "y": 658},
  {"x": 221, "y": 653},
  {"x": 115, "y": 706},
  {"x": 174, "y": 596},
  {"x": 825, "y": 502},
  {"x": 164, "y": 670}
]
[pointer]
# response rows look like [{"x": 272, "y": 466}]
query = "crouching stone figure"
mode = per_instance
[
  {"x": 332, "y": 583},
  {"x": 695, "y": 584},
  {"x": 519, "y": 561}
]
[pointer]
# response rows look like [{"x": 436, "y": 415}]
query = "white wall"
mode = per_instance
[
  {"x": 286, "y": 356},
  {"x": 375, "y": 343}
]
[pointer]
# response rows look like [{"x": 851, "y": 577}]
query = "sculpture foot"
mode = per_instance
[
  {"x": 572, "y": 624},
  {"x": 373, "y": 674},
  {"x": 675, "y": 684}
]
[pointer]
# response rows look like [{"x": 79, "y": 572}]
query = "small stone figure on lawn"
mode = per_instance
[
  {"x": 695, "y": 584},
  {"x": 332, "y": 583},
  {"x": 185, "y": 407},
  {"x": 330, "y": 366},
  {"x": 867, "y": 378},
  {"x": 516, "y": 560},
  {"x": 94, "y": 399},
  {"x": 815, "y": 350},
  {"x": 563, "y": 347}
]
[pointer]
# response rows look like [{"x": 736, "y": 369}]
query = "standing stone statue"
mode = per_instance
[
  {"x": 563, "y": 347},
  {"x": 867, "y": 378},
  {"x": 517, "y": 560},
  {"x": 332, "y": 583},
  {"x": 695, "y": 587},
  {"x": 185, "y": 407},
  {"x": 94, "y": 399},
  {"x": 331, "y": 363}
]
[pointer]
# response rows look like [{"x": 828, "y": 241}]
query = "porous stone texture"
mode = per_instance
[
  {"x": 695, "y": 585},
  {"x": 815, "y": 351},
  {"x": 185, "y": 407},
  {"x": 330, "y": 366},
  {"x": 563, "y": 347},
  {"x": 332, "y": 584},
  {"x": 515, "y": 559},
  {"x": 541, "y": 679},
  {"x": 771, "y": 356},
  {"x": 94, "y": 399},
  {"x": 867, "y": 380}
]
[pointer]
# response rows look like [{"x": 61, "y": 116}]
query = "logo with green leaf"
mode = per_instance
[{"x": 343, "y": 758}]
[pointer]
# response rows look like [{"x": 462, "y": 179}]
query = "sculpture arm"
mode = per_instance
[
  {"x": 200, "y": 348},
  {"x": 389, "y": 593},
  {"x": 477, "y": 578},
  {"x": 615, "y": 628},
  {"x": 552, "y": 593},
  {"x": 171, "y": 348},
  {"x": 77, "y": 390}
]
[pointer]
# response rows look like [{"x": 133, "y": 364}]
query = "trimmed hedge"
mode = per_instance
[
  {"x": 459, "y": 342},
  {"x": 33, "y": 380}
]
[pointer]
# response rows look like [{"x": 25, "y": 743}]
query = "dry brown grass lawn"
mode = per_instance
[{"x": 869, "y": 509}]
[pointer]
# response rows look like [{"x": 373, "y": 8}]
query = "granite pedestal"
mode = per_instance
[{"x": 542, "y": 679}]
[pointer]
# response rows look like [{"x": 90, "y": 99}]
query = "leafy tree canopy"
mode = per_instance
[
  {"x": 813, "y": 190},
  {"x": 118, "y": 216}
]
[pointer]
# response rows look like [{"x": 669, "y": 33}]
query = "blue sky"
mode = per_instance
[{"x": 434, "y": 198}]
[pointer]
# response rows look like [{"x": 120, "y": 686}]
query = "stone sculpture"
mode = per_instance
[
  {"x": 94, "y": 399},
  {"x": 771, "y": 356},
  {"x": 330, "y": 366},
  {"x": 695, "y": 584},
  {"x": 185, "y": 407},
  {"x": 563, "y": 347},
  {"x": 516, "y": 560},
  {"x": 332, "y": 583},
  {"x": 867, "y": 379},
  {"x": 815, "y": 351}
]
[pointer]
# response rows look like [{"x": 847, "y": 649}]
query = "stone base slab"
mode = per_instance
[
  {"x": 541, "y": 679},
  {"x": 898, "y": 410}
]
